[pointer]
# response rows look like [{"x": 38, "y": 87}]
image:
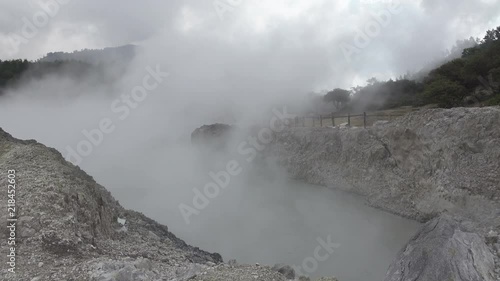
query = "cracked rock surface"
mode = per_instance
[
  {"x": 444, "y": 249},
  {"x": 418, "y": 166}
]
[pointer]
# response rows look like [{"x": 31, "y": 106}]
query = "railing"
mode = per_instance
[{"x": 350, "y": 120}]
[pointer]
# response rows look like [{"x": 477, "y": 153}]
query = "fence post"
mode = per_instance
[
  {"x": 364, "y": 119},
  {"x": 321, "y": 120},
  {"x": 349, "y": 119},
  {"x": 333, "y": 120},
  {"x": 314, "y": 121}
]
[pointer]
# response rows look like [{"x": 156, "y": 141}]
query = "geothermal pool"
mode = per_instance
[{"x": 271, "y": 221}]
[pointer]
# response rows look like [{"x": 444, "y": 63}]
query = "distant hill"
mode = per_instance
[
  {"x": 75, "y": 65},
  {"x": 95, "y": 56}
]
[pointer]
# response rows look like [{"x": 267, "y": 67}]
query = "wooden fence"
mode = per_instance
[{"x": 351, "y": 120}]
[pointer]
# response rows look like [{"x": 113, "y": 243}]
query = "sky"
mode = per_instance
[{"x": 315, "y": 38}]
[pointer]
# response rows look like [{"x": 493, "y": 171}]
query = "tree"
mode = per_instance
[
  {"x": 445, "y": 93},
  {"x": 461, "y": 46},
  {"x": 372, "y": 81},
  {"x": 339, "y": 97},
  {"x": 492, "y": 35}
]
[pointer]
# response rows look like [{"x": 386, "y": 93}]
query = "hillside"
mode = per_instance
[
  {"x": 107, "y": 55},
  {"x": 471, "y": 79},
  {"x": 100, "y": 66},
  {"x": 71, "y": 228},
  {"x": 418, "y": 166}
]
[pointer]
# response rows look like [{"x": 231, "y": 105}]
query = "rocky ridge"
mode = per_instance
[
  {"x": 418, "y": 166},
  {"x": 71, "y": 228},
  {"x": 436, "y": 166}
]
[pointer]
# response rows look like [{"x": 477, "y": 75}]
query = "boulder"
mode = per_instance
[
  {"x": 286, "y": 270},
  {"x": 492, "y": 237},
  {"x": 444, "y": 249},
  {"x": 215, "y": 135}
]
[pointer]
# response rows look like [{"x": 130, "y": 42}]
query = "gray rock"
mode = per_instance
[
  {"x": 27, "y": 232},
  {"x": 492, "y": 237},
  {"x": 144, "y": 264},
  {"x": 418, "y": 166},
  {"x": 232, "y": 262},
  {"x": 497, "y": 249},
  {"x": 188, "y": 274},
  {"x": 380, "y": 123},
  {"x": 286, "y": 270},
  {"x": 214, "y": 136},
  {"x": 442, "y": 250}
]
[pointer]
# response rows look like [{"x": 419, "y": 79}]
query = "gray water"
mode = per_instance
[{"x": 273, "y": 221}]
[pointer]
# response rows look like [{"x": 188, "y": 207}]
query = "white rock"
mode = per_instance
[
  {"x": 492, "y": 237},
  {"x": 121, "y": 221}
]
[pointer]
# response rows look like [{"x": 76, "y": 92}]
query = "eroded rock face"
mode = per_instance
[
  {"x": 417, "y": 166},
  {"x": 444, "y": 249},
  {"x": 420, "y": 166}
]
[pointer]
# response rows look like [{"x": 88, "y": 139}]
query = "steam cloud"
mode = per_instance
[{"x": 263, "y": 54}]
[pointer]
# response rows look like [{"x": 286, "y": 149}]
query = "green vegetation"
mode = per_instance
[
  {"x": 472, "y": 79},
  {"x": 14, "y": 73},
  {"x": 339, "y": 97},
  {"x": 103, "y": 65},
  {"x": 11, "y": 72}
]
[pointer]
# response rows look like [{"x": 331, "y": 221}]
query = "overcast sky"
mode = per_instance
[{"x": 307, "y": 39}]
